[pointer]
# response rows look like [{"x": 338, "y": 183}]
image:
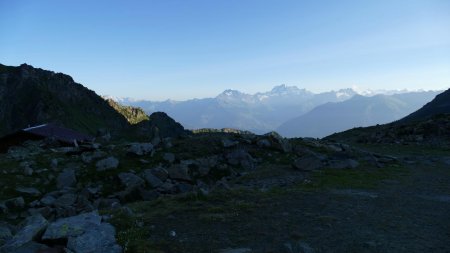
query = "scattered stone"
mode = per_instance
[
  {"x": 343, "y": 164},
  {"x": 169, "y": 157},
  {"x": 184, "y": 187},
  {"x": 5, "y": 233},
  {"x": 109, "y": 163},
  {"x": 152, "y": 180},
  {"x": 66, "y": 200},
  {"x": 96, "y": 238},
  {"x": 66, "y": 178},
  {"x": 168, "y": 187},
  {"x": 34, "y": 247},
  {"x": 263, "y": 143},
  {"x": 179, "y": 172},
  {"x": 148, "y": 195},
  {"x": 308, "y": 163},
  {"x": 240, "y": 250},
  {"x": 48, "y": 200},
  {"x": 242, "y": 158},
  {"x": 29, "y": 191},
  {"x": 54, "y": 163},
  {"x": 109, "y": 203},
  {"x": 298, "y": 247},
  {"x": 88, "y": 157},
  {"x": 226, "y": 143},
  {"x": 34, "y": 226},
  {"x": 28, "y": 171},
  {"x": 160, "y": 173},
  {"x": 72, "y": 226},
  {"x": 130, "y": 180},
  {"x": 140, "y": 149},
  {"x": 46, "y": 211},
  {"x": 13, "y": 203},
  {"x": 278, "y": 142}
]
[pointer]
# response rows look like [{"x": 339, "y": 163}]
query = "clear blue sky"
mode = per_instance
[{"x": 188, "y": 48}]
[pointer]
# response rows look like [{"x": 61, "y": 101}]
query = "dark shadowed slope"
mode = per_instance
[
  {"x": 32, "y": 96},
  {"x": 439, "y": 105}
]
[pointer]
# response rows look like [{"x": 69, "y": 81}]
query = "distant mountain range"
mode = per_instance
[
  {"x": 429, "y": 125},
  {"x": 359, "y": 111},
  {"x": 292, "y": 111}
]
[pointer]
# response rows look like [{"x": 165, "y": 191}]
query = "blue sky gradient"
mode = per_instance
[{"x": 188, "y": 48}]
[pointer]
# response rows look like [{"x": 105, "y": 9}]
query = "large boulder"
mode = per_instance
[
  {"x": 66, "y": 178},
  {"x": 109, "y": 163},
  {"x": 308, "y": 163},
  {"x": 99, "y": 238},
  {"x": 240, "y": 157},
  {"x": 85, "y": 233},
  {"x": 34, "y": 226},
  {"x": 72, "y": 226},
  {"x": 152, "y": 180}
]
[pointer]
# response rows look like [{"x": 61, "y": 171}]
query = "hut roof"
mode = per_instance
[{"x": 57, "y": 132}]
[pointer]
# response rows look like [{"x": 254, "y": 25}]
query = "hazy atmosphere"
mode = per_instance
[
  {"x": 193, "y": 49},
  {"x": 225, "y": 126}
]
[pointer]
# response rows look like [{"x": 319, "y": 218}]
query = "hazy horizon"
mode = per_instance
[{"x": 179, "y": 50}]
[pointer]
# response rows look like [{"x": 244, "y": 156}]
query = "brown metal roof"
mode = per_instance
[{"x": 59, "y": 133}]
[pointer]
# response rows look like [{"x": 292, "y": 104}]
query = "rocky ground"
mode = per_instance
[{"x": 225, "y": 192}]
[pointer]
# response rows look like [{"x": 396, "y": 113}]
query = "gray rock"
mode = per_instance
[
  {"x": 109, "y": 163},
  {"x": 140, "y": 149},
  {"x": 66, "y": 178},
  {"x": 240, "y": 250},
  {"x": 28, "y": 171},
  {"x": 169, "y": 157},
  {"x": 278, "y": 142},
  {"x": 148, "y": 195},
  {"x": 168, "y": 187},
  {"x": 3, "y": 207},
  {"x": 226, "y": 143},
  {"x": 298, "y": 247},
  {"x": 66, "y": 200},
  {"x": 308, "y": 163},
  {"x": 54, "y": 163},
  {"x": 343, "y": 164},
  {"x": 33, "y": 247},
  {"x": 98, "y": 238},
  {"x": 184, "y": 187},
  {"x": 263, "y": 143},
  {"x": 242, "y": 158},
  {"x": 72, "y": 226},
  {"x": 160, "y": 173},
  {"x": 46, "y": 212},
  {"x": 152, "y": 180},
  {"x": 88, "y": 157},
  {"x": 5, "y": 233},
  {"x": 179, "y": 172},
  {"x": 109, "y": 203},
  {"x": 18, "y": 202},
  {"x": 48, "y": 200},
  {"x": 34, "y": 226},
  {"x": 29, "y": 191},
  {"x": 130, "y": 180}
]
